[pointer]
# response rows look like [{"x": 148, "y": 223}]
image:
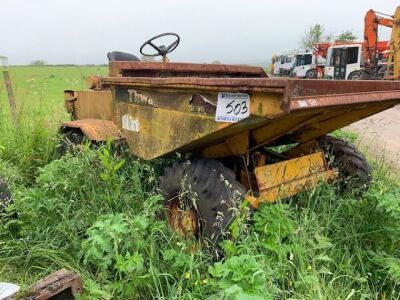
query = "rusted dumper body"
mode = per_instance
[
  {"x": 229, "y": 117},
  {"x": 171, "y": 107}
]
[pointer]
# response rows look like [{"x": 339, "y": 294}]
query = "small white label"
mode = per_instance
[
  {"x": 232, "y": 107},
  {"x": 307, "y": 103},
  {"x": 130, "y": 123},
  {"x": 303, "y": 103}
]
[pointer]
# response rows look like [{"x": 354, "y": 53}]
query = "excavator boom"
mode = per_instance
[{"x": 372, "y": 20}]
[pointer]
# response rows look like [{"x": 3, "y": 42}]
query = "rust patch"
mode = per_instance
[
  {"x": 185, "y": 222},
  {"x": 156, "y": 69},
  {"x": 93, "y": 82},
  {"x": 202, "y": 105},
  {"x": 62, "y": 282},
  {"x": 69, "y": 101},
  {"x": 342, "y": 100},
  {"x": 94, "y": 105},
  {"x": 95, "y": 130},
  {"x": 203, "y": 84}
]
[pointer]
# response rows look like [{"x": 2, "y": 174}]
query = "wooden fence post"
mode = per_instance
[{"x": 11, "y": 98}]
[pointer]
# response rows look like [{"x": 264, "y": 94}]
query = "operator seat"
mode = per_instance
[{"x": 121, "y": 56}]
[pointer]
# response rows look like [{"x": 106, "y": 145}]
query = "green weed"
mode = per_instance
[
  {"x": 97, "y": 213},
  {"x": 315, "y": 246}
]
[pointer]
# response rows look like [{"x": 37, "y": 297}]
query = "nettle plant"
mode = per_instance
[
  {"x": 117, "y": 247},
  {"x": 239, "y": 277}
]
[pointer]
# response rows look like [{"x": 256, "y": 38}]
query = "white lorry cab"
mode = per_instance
[
  {"x": 344, "y": 62},
  {"x": 284, "y": 64},
  {"x": 306, "y": 65}
]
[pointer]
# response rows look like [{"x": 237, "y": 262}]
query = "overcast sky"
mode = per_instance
[{"x": 232, "y": 31}]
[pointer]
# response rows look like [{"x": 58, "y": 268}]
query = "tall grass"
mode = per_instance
[
  {"x": 28, "y": 143},
  {"x": 317, "y": 245},
  {"x": 95, "y": 212}
]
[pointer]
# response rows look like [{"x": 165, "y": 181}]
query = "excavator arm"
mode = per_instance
[{"x": 372, "y": 20}]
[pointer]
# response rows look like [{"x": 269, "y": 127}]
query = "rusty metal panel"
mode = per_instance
[
  {"x": 164, "y": 113},
  {"x": 69, "y": 101},
  {"x": 289, "y": 177},
  {"x": 273, "y": 175},
  {"x": 243, "y": 85},
  {"x": 289, "y": 88},
  {"x": 157, "y": 69},
  {"x": 161, "y": 131},
  {"x": 94, "y": 129},
  {"x": 94, "y": 105},
  {"x": 277, "y": 127},
  {"x": 307, "y": 88},
  {"x": 341, "y": 100},
  {"x": 332, "y": 120},
  {"x": 63, "y": 282},
  {"x": 194, "y": 101},
  {"x": 267, "y": 122},
  {"x": 177, "y": 114},
  {"x": 236, "y": 145},
  {"x": 292, "y": 188}
]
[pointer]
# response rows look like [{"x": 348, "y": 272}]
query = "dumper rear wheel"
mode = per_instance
[
  {"x": 202, "y": 197},
  {"x": 354, "y": 170}
]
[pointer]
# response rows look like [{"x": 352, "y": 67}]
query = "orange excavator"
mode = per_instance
[{"x": 372, "y": 22}]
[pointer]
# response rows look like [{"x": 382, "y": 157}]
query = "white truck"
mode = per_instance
[
  {"x": 344, "y": 62},
  {"x": 306, "y": 65},
  {"x": 284, "y": 64}
]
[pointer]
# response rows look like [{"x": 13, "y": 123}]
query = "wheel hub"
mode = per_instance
[{"x": 182, "y": 220}]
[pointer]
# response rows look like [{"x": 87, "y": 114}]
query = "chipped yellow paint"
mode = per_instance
[
  {"x": 163, "y": 131},
  {"x": 172, "y": 118},
  {"x": 273, "y": 175},
  {"x": 260, "y": 107},
  {"x": 236, "y": 145},
  {"x": 287, "y": 178},
  {"x": 171, "y": 126}
]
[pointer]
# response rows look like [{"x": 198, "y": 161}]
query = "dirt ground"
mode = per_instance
[{"x": 379, "y": 136}]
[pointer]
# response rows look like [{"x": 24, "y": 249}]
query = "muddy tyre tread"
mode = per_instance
[
  {"x": 350, "y": 162},
  {"x": 217, "y": 190},
  {"x": 69, "y": 141}
]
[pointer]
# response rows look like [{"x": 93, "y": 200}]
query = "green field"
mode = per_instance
[
  {"x": 42, "y": 87},
  {"x": 95, "y": 212}
]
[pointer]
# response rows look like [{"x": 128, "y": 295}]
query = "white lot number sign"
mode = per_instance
[{"x": 232, "y": 107}]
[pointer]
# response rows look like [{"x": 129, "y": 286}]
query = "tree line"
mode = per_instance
[{"x": 316, "y": 34}]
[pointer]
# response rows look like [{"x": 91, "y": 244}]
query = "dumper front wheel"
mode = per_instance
[
  {"x": 202, "y": 197},
  {"x": 70, "y": 141},
  {"x": 354, "y": 170}
]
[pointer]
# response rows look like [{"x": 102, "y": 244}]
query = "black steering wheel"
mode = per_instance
[{"x": 161, "y": 50}]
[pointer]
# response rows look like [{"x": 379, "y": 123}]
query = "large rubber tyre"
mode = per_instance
[
  {"x": 5, "y": 195},
  {"x": 311, "y": 74},
  {"x": 218, "y": 195},
  {"x": 354, "y": 170},
  {"x": 72, "y": 141}
]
